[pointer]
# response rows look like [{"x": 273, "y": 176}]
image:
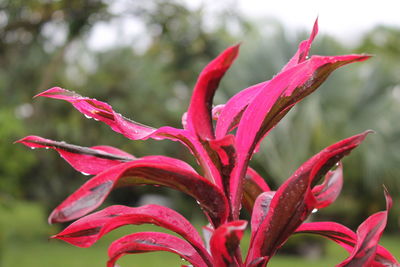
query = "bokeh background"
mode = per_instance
[{"x": 143, "y": 58}]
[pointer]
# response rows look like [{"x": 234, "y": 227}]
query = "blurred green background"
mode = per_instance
[{"x": 149, "y": 78}]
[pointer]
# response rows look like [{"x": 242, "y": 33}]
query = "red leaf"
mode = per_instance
[
  {"x": 87, "y": 230},
  {"x": 91, "y": 160},
  {"x": 368, "y": 236},
  {"x": 303, "y": 50},
  {"x": 363, "y": 246},
  {"x": 233, "y": 110},
  {"x": 272, "y": 103},
  {"x": 225, "y": 242},
  {"x": 199, "y": 119},
  {"x": 253, "y": 186},
  {"x": 155, "y": 170},
  {"x": 103, "y": 112},
  {"x": 326, "y": 193},
  {"x": 152, "y": 241},
  {"x": 294, "y": 201}
]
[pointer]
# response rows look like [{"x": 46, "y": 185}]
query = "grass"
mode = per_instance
[{"x": 24, "y": 242}]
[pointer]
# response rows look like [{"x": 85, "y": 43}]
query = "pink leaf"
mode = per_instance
[
  {"x": 294, "y": 201},
  {"x": 87, "y": 230},
  {"x": 103, "y": 112},
  {"x": 152, "y": 241},
  {"x": 91, "y": 160},
  {"x": 326, "y": 193},
  {"x": 155, "y": 170},
  {"x": 225, "y": 242},
  {"x": 199, "y": 119},
  {"x": 303, "y": 50},
  {"x": 368, "y": 236},
  {"x": 272, "y": 103},
  {"x": 233, "y": 110},
  {"x": 363, "y": 246},
  {"x": 253, "y": 186}
]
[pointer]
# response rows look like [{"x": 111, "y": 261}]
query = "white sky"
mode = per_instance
[
  {"x": 344, "y": 19},
  {"x": 341, "y": 18}
]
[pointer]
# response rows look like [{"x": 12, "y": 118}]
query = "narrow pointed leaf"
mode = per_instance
[
  {"x": 368, "y": 236},
  {"x": 303, "y": 50},
  {"x": 136, "y": 131},
  {"x": 153, "y": 241},
  {"x": 273, "y": 102},
  {"x": 326, "y": 193},
  {"x": 345, "y": 238},
  {"x": 87, "y": 160},
  {"x": 253, "y": 186},
  {"x": 360, "y": 245},
  {"x": 294, "y": 201},
  {"x": 153, "y": 171},
  {"x": 199, "y": 119},
  {"x": 233, "y": 110},
  {"x": 87, "y": 230},
  {"x": 225, "y": 242},
  {"x": 101, "y": 111}
]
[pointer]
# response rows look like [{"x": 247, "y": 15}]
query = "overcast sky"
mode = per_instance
[
  {"x": 345, "y": 19},
  {"x": 342, "y": 18}
]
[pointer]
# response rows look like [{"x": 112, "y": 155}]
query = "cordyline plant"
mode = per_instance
[{"x": 225, "y": 183}]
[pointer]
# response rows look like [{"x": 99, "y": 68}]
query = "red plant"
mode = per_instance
[{"x": 226, "y": 181}]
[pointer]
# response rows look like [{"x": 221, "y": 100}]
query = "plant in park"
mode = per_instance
[{"x": 225, "y": 183}]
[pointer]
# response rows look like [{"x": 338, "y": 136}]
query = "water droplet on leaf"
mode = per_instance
[{"x": 314, "y": 210}]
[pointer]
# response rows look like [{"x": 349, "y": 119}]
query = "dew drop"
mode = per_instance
[
  {"x": 85, "y": 173},
  {"x": 46, "y": 147},
  {"x": 32, "y": 147},
  {"x": 314, "y": 210}
]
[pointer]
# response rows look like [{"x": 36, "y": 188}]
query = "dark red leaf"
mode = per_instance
[
  {"x": 294, "y": 201},
  {"x": 363, "y": 246},
  {"x": 101, "y": 111},
  {"x": 91, "y": 160},
  {"x": 253, "y": 186},
  {"x": 153, "y": 241},
  {"x": 87, "y": 230},
  {"x": 133, "y": 130},
  {"x": 199, "y": 119},
  {"x": 225, "y": 242},
  {"x": 368, "y": 236},
  {"x": 269, "y": 106},
  {"x": 231, "y": 113},
  {"x": 326, "y": 193},
  {"x": 155, "y": 170}
]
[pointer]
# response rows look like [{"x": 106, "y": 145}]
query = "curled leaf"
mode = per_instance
[
  {"x": 156, "y": 170},
  {"x": 153, "y": 241},
  {"x": 225, "y": 242},
  {"x": 87, "y": 160},
  {"x": 199, "y": 119},
  {"x": 87, "y": 230},
  {"x": 294, "y": 201}
]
